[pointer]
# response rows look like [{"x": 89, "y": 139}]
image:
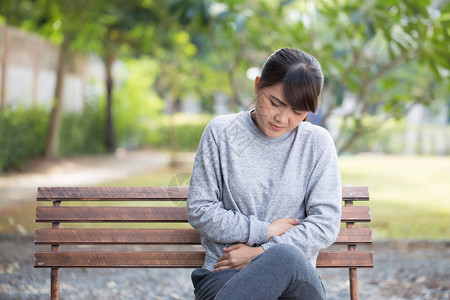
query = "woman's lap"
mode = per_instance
[
  {"x": 207, "y": 284},
  {"x": 281, "y": 271}
]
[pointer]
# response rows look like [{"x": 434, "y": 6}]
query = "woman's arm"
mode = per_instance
[
  {"x": 323, "y": 201},
  {"x": 204, "y": 206},
  {"x": 238, "y": 256}
]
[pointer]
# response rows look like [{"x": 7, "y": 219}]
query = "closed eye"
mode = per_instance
[{"x": 274, "y": 104}]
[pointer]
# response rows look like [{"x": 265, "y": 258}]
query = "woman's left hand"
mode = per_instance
[{"x": 237, "y": 256}]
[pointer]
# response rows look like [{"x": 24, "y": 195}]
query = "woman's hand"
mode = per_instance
[
  {"x": 237, "y": 256},
  {"x": 280, "y": 226}
]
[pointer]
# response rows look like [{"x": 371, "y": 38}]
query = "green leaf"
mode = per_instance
[{"x": 286, "y": 2}]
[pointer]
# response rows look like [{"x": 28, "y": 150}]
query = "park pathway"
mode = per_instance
[{"x": 18, "y": 187}]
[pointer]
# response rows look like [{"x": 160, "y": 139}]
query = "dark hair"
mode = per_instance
[{"x": 301, "y": 74}]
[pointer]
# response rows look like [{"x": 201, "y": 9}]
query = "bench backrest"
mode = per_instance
[{"x": 95, "y": 205}]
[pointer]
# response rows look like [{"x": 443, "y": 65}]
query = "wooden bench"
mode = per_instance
[{"x": 148, "y": 206}]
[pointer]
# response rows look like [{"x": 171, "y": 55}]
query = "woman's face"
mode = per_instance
[{"x": 273, "y": 114}]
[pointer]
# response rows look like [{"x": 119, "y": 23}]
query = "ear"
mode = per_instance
[
  {"x": 257, "y": 79},
  {"x": 305, "y": 118}
]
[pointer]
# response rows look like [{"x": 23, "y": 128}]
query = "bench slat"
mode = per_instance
[
  {"x": 111, "y": 214},
  {"x": 355, "y": 214},
  {"x": 150, "y": 214},
  {"x": 157, "y": 236},
  {"x": 175, "y": 259},
  {"x": 112, "y": 193},
  {"x": 355, "y": 193},
  {"x": 354, "y": 236},
  {"x": 116, "y": 236},
  {"x": 337, "y": 259},
  {"x": 125, "y": 259}
]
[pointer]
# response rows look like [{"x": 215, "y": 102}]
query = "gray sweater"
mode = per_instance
[{"x": 243, "y": 180}]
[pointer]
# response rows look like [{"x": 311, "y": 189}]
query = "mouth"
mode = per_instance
[{"x": 276, "y": 128}]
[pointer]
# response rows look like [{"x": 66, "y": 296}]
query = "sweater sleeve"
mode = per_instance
[
  {"x": 204, "y": 206},
  {"x": 323, "y": 201}
]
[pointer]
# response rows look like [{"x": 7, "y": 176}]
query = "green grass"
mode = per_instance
[
  {"x": 163, "y": 177},
  {"x": 409, "y": 195}
]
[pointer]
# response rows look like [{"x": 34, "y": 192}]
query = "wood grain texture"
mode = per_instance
[
  {"x": 344, "y": 259},
  {"x": 174, "y": 259},
  {"x": 54, "y": 284},
  {"x": 355, "y": 193},
  {"x": 99, "y": 259},
  {"x": 354, "y": 236},
  {"x": 112, "y": 193},
  {"x": 355, "y": 214},
  {"x": 111, "y": 214},
  {"x": 46, "y": 236},
  {"x": 150, "y": 214},
  {"x": 56, "y": 236},
  {"x": 353, "y": 278},
  {"x": 116, "y": 236}
]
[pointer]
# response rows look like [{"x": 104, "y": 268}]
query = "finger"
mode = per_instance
[
  {"x": 221, "y": 268},
  {"x": 293, "y": 221},
  {"x": 235, "y": 246},
  {"x": 232, "y": 247},
  {"x": 238, "y": 267},
  {"x": 224, "y": 257},
  {"x": 224, "y": 263}
]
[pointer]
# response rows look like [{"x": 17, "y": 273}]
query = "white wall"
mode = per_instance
[{"x": 84, "y": 78}]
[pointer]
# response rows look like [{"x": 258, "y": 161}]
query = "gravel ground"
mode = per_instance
[{"x": 403, "y": 270}]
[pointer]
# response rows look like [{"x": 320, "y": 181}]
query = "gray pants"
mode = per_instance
[{"x": 281, "y": 272}]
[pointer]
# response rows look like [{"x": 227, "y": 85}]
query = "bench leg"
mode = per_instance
[
  {"x": 54, "y": 284},
  {"x": 354, "y": 291}
]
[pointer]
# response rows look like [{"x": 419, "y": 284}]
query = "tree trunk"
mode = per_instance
[
  {"x": 328, "y": 108},
  {"x": 84, "y": 82},
  {"x": 235, "y": 97},
  {"x": 110, "y": 134},
  {"x": 359, "y": 130},
  {"x": 54, "y": 124},
  {"x": 174, "y": 162},
  {"x": 5, "y": 59},
  {"x": 36, "y": 67}
]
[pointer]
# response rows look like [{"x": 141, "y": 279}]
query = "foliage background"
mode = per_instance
[{"x": 386, "y": 56}]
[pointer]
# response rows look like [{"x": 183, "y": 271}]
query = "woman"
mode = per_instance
[{"x": 265, "y": 191}]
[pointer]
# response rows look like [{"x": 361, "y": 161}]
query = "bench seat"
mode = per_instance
[{"x": 152, "y": 216}]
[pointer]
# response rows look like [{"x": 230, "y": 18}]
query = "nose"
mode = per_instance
[{"x": 280, "y": 117}]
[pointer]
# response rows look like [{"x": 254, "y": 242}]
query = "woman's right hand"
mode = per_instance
[{"x": 280, "y": 226}]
